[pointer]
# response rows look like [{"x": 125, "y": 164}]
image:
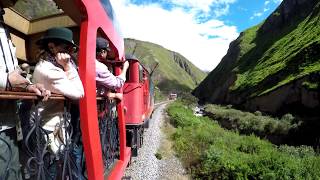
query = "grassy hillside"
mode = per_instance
[
  {"x": 174, "y": 73},
  {"x": 290, "y": 54},
  {"x": 274, "y": 66}
]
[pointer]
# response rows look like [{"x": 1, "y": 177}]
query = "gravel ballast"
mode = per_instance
[{"x": 146, "y": 166}]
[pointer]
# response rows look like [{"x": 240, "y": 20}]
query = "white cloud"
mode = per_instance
[
  {"x": 203, "y": 5},
  {"x": 265, "y": 9},
  {"x": 256, "y": 15},
  {"x": 177, "y": 30},
  {"x": 277, "y": 1},
  {"x": 221, "y": 11}
]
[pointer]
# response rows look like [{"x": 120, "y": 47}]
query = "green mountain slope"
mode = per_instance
[
  {"x": 274, "y": 66},
  {"x": 174, "y": 73}
]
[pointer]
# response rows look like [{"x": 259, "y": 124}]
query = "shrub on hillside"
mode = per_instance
[
  {"x": 210, "y": 152},
  {"x": 288, "y": 118},
  {"x": 181, "y": 115},
  {"x": 256, "y": 160},
  {"x": 188, "y": 99},
  {"x": 248, "y": 123},
  {"x": 159, "y": 95}
]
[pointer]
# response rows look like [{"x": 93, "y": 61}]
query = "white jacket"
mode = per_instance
[{"x": 57, "y": 81}]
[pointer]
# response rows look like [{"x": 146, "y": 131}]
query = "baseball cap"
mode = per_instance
[{"x": 102, "y": 43}]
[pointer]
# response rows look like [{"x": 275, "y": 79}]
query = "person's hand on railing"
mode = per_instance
[
  {"x": 16, "y": 82},
  {"x": 111, "y": 95},
  {"x": 39, "y": 90}
]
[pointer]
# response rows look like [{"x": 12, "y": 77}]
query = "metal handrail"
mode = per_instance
[
  {"x": 109, "y": 133},
  {"x": 33, "y": 96},
  {"x": 40, "y": 159},
  {"x": 26, "y": 95}
]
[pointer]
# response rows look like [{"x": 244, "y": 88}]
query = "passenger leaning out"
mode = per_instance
[
  {"x": 57, "y": 71},
  {"x": 104, "y": 78}
]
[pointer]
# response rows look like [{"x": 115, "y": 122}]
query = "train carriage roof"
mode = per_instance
[
  {"x": 34, "y": 16},
  {"x": 28, "y": 19},
  {"x": 26, "y": 22}
]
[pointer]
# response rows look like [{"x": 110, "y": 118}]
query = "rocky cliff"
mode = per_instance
[{"x": 273, "y": 67}]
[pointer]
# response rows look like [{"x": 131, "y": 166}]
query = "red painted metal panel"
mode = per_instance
[
  {"x": 122, "y": 125},
  {"x": 137, "y": 96},
  {"x": 133, "y": 95},
  {"x": 133, "y": 101},
  {"x": 120, "y": 167},
  {"x": 134, "y": 72},
  {"x": 92, "y": 9},
  {"x": 88, "y": 113}
]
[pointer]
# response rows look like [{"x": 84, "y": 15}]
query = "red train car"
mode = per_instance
[
  {"x": 138, "y": 102},
  {"x": 104, "y": 125}
]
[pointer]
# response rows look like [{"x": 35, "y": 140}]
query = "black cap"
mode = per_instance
[{"x": 102, "y": 44}]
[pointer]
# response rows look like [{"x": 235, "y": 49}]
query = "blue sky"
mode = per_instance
[
  {"x": 246, "y": 13},
  {"x": 200, "y": 30}
]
